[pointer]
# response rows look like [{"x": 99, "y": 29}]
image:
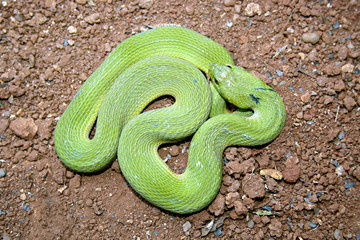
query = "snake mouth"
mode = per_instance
[{"x": 232, "y": 108}]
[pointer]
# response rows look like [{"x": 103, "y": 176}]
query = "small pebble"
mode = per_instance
[
  {"x": 313, "y": 225},
  {"x": 146, "y": 4},
  {"x": 2, "y": 172},
  {"x": 50, "y": 4},
  {"x": 251, "y": 224},
  {"x": 311, "y": 37},
  {"x": 328, "y": 99},
  {"x": 71, "y": 42},
  {"x": 72, "y": 29},
  {"x": 349, "y": 184},
  {"x": 291, "y": 173},
  {"x": 19, "y": 17},
  {"x": 339, "y": 85},
  {"x": 218, "y": 231},
  {"x": 340, "y": 171},
  {"x": 88, "y": 202},
  {"x": 229, "y": 24},
  {"x": 83, "y": 76},
  {"x": 23, "y": 196},
  {"x": 206, "y": 229},
  {"x": 356, "y": 173},
  {"x": 93, "y": 18},
  {"x": 350, "y": 45},
  {"x": 338, "y": 234},
  {"x": 300, "y": 115},
  {"x": 229, "y": 3},
  {"x": 333, "y": 69},
  {"x": 240, "y": 208},
  {"x": 6, "y": 236},
  {"x": 91, "y": 3},
  {"x": 197, "y": 234},
  {"x": 189, "y": 10},
  {"x": 347, "y": 68},
  {"x": 272, "y": 173},
  {"x": 336, "y": 25},
  {"x": 26, "y": 208},
  {"x": 238, "y": 8},
  {"x": 279, "y": 72},
  {"x": 174, "y": 151},
  {"x": 267, "y": 208},
  {"x": 354, "y": 53},
  {"x": 252, "y": 9},
  {"x": 186, "y": 226},
  {"x": 253, "y": 186},
  {"x": 218, "y": 205},
  {"x": 302, "y": 56},
  {"x": 290, "y": 30},
  {"x": 24, "y": 128},
  {"x": 305, "y": 97},
  {"x": 343, "y": 53},
  {"x": 75, "y": 182},
  {"x": 81, "y": 2},
  {"x": 349, "y": 103}
]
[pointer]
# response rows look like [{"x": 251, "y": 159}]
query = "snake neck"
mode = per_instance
[
  {"x": 259, "y": 106},
  {"x": 258, "y": 123}
]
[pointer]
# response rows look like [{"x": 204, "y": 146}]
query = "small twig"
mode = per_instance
[
  {"x": 279, "y": 50},
  {"x": 300, "y": 69},
  {"x": 337, "y": 113}
]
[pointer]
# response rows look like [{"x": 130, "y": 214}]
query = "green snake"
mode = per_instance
[{"x": 201, "y": 76}]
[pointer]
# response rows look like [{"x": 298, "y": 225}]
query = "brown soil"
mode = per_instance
[{"x": 48, "y": 49}]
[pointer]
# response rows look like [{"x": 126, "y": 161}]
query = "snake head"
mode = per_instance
[
  {"x": 219, "y": 74},
  {"x": 235, "y": 84}
]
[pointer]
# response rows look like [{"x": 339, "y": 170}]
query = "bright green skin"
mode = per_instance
[{"x": 135, "y": 74}]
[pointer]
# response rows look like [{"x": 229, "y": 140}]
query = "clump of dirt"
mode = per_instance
[{"x": 307, "y": 50}]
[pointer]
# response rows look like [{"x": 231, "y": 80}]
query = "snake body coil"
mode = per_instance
[{"x": 158, "y": 62}]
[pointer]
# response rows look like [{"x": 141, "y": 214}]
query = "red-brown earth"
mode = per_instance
[{"x": 307, "y": 50}]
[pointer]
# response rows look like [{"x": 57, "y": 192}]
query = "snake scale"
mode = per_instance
[{"x": 201, "y": 76}]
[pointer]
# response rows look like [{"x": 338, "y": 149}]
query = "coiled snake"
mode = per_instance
[{"x": 167, "y": 61}]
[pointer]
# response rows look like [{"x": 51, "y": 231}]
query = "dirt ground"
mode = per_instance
[{"x": 49, "y": 48}]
